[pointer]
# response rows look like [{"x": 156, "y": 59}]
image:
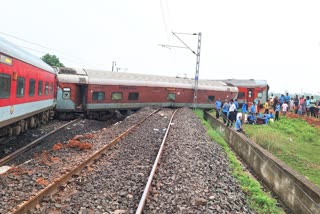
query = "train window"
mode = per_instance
[
  {"x": 20, "y": 87},
  {"x": 98, "y": 95},
  {"x": 5, "y": 85},
  {"x": 211, "y": 98},
  {"x": 260, "y": 94},
  {"x": 116, "y": 96},
  {"x": 66, "y": 93},
  {"x": 40, "y": 87},
  {"x": 46, "y": 89},
  {"x": 250, "y": 93},
  {"x": 6, "y": 60},
  {"x": 133, "y": 96},
  {"x": 51, "y": 88},
  {"x": 171, "y": 96},
  {"x": 241, "y": 95},
  {"x": 32, "y": 87}
]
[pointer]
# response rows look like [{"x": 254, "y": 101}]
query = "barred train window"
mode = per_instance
[
  {"x": 260, "y": 94},
  {"x": 133, "y": 96},
  {"x": 40, "y": 87},
  {"x": 171, "y": 96},
  {"x": 4, "y": 85},
  {"x": 98, "y": 95},
  {"x": 241, "y": 95},
  {"x": 20, "y": 87},
  {"x": 51, "y": 88},
  {"x": 211, "y": 98},
  {"x": 66, "y": 93},
  {"x": 32, "y": 87},
  {"x": 116, "y": 96},
  {"x": 46, "y": 89}
]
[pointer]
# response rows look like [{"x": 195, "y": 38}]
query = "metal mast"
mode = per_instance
[{"x": 196, "y": 78}]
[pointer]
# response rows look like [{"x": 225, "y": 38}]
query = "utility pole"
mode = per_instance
[
  {"x": 113, "y": 65},
  {"x": 196, "y": 78}
]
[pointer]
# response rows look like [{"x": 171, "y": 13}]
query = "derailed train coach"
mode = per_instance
[
  {"x": 27, "y": 90},
  {"x": 97, "y": 94},
  {"x": 250, "y": 90}
]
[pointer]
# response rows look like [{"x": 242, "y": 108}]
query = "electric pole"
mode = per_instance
[
  {"x": 196, "y": 78},
  {"x": 113, "y": 65}
]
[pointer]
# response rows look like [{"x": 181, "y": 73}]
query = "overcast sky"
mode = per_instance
[{"x": 278, "y": 41}]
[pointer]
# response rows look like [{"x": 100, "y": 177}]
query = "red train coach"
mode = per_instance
[
  {"x": 27, "y": 90},
  {"x": 98, "y": 93},
  {"x": 250, "y": 90}
]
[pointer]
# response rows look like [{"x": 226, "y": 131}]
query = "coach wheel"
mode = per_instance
[
  {"x": 26, "y": 126},
  {"x": 32, "y": 122},
  {"x": 17, "y": 130},
  {"x": 10, "y": 131}
]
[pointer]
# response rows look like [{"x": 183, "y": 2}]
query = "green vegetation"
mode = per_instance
[
  {"x": 259, "y": 201},
  {"x": 294, "y": 142},
  {"x": 52, "y": 60}
]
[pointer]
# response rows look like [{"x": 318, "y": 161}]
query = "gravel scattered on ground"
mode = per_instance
[
  {"x": 27, "y": 179},
  {"x": 194, "y": 175}
]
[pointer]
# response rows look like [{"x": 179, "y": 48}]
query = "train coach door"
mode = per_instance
[
  {"x": 81, "y": 97},
  {"x": 250, "y": 95}
]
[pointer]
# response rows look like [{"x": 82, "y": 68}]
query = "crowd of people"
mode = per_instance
[
  {"x": 271, "y": 109},
  {"x": 299, "y": 105}
]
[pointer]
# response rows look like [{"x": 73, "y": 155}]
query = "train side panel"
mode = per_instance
[{"x": 26, "y": 91}]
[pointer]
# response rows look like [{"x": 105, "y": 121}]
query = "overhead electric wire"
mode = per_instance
[
  {"x": 164, "y": 21},
  {"x": 44, "y": 47}
]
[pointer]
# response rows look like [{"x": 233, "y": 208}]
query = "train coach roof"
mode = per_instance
[
  {"x": 247, "y": 82},
  {"x": 121, "y": 78},
  {"x": 14, "y": 51}
]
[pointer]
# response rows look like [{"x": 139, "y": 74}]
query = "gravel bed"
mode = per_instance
[
  {"x": 63, "y": 135},
  {"x": 114, "y": 184},
  {"x": 28, "y": 136},
  {"x": 25, "y": 180},
  {"x": 194, "y": 175}
]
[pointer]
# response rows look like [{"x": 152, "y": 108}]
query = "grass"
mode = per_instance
[
  {"x": 294, "y": 142},
  {"x": 258, "y": 200}
]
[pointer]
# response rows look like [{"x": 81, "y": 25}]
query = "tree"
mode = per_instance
[{"x": 52, "y": 60}]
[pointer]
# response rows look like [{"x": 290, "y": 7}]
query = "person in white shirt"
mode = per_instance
[
  {"x": 232, "y": 112},
  {"x": 284, "y": 108}
]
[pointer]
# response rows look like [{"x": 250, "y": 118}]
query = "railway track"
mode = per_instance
[
  {"x": 55, "y": 186},
  {"x": 18, "y": 152},
  {"x": 128, "y": 177}
]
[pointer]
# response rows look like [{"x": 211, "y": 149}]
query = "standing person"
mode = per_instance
[
  {"x": 277, "y": 109},
  {"x": 313, "y": 103},
  {"x": 238, "y": 125},
  {"x": 281, "y": 99},
  {"x": 225, "y": 109},
  {"x": 275, "y": 102},
  {"x": 244, "y": 110},
  {"x": 287, "y": 98},
  {"x": 284, "y": 108},
  {"x": 237, "y": 105},
  {"x": 232, "y": 112},
  {"x": 291, "y": 104},
  {"x": 296, "y": 104},
  {"x": 253, "y": 109},
  {"x": 308, "y": 105},
  {"x": 218, "y": 108},
  {"x": 304, "y": 107}
]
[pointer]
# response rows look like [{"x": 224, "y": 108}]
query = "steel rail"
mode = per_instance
[
  {"x": 52, "y": 188},
  {"x": 32, "y": 144},
  {"x": 154, "y": 168}
]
